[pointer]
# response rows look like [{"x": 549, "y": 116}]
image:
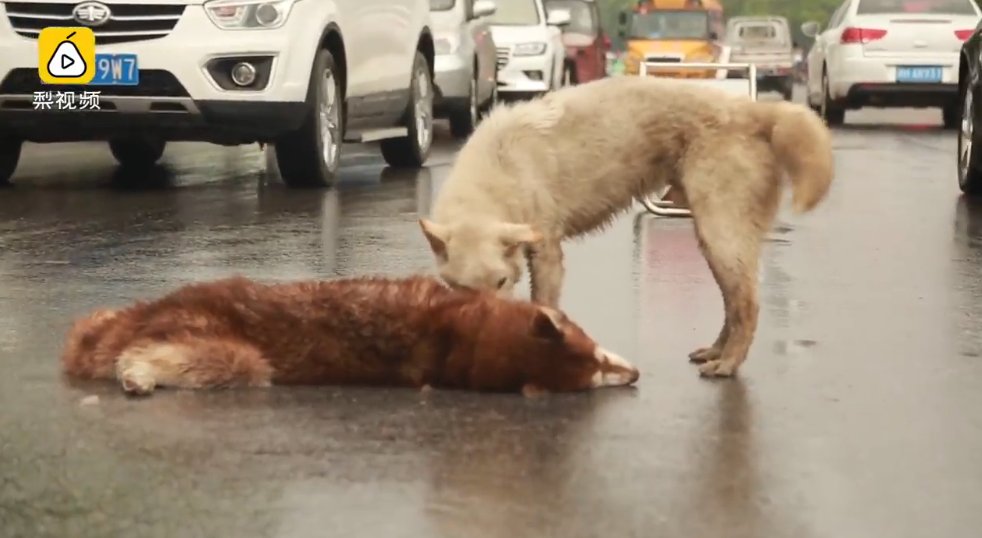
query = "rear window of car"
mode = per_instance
[
  {"x": 938, "y": 7},
  {"x": 756, "y": 31},
  {"x": 442, "y": 5}
]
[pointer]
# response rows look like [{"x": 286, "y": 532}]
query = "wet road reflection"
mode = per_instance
[{"x": 857, "y": 413}]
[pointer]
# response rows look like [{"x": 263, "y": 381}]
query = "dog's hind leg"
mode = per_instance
[
  {"x": 191, "y": 363},
  {"x": 546, "y": 273},
  {"x": 732, "y": 214}
]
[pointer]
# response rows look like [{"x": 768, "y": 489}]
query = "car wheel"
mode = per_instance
[
  {"x": 969, "y": 174},
  {"x": 9, "y": 157},
  {"x": 412, "y": 151},
  {"x": 311, "y": 155},
  {"x": 567, "y": 76},
  {"x": 494, "y": 99},
  {"x": 830, "y": 112},
  {"x": 787, "y": 89},
  {"x": 137, "y": 152},
  {"x": 464, "y": 120},
  {"x": 951, "y": 116}
]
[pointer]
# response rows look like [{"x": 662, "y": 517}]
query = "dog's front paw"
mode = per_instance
[
  {"x": 136, "y": 380},
  {"x": 704, "y": 354},
  {"x": 718, "y": 368}
]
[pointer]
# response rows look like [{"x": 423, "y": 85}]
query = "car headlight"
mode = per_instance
[
  {"x": 529, "y": 49},
  {"x": 248, "y": 14},
  {"x": 446, "y": 44}
]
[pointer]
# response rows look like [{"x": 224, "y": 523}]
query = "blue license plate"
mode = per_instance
[
  {"x": 116, "y": 70},
  {"x": 919, "y": 74}
]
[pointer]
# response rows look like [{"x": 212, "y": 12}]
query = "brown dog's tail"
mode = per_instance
[
  {"x": 803, "y": 146},
  {"x": 85, "y": 355}
]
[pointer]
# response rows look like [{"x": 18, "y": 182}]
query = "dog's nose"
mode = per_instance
[{"x": 617, "y": 371}]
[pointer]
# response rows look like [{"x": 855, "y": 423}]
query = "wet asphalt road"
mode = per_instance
[{"x": 858, "y": 413}]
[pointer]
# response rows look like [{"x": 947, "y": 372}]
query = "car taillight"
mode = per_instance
[
  {"x": 861, "y": 35},
  {"x": 963, "y": 34}
]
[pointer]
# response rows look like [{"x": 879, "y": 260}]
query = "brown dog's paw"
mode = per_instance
[
  {"x": 718, "y": 368},
  {"x": 704, "y": 354},
  {"x": 136, "y": 380}
]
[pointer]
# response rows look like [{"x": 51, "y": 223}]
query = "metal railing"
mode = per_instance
[{"x": 656, "y": 202}]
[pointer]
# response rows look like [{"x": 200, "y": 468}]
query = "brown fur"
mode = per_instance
[
  {"x": 412, "y": 332},
  {"x": 538, "y": 173}
]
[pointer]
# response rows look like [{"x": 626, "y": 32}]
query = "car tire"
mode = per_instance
[
  {"x": 951, "y": 116},
  {"x": 311, "y": 155},
  {"x": 787, "y": 89},
  {"x": 137, "y": 152},
  {"x": 830, "y": 112},
  {"x": 9, "y": 157},
  {"x": 464, "y": 119},
  {"x": 969, "y": 161},
  {"x": 411, "y": 151},
  {"x": 494, "y": 99}
]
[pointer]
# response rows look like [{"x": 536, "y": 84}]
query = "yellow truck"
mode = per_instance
[{"x": 675, "y": 31}]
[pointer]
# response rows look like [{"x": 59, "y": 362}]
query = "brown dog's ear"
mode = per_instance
[
  {"x": 547, "y": 324},
  {"x": 436, "y": 235}
]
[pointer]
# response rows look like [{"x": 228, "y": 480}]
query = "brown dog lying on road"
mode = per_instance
[{"x": 413, "y": 332}]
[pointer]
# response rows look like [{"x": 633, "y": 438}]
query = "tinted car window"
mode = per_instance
[
  {"x": 442, "y": 5},
  {"x": 581, "y": 15},
  {"x": 515, "y": 13},
  {"x": 946, "y": 7}
]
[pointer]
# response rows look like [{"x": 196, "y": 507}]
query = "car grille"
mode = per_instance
[
  {"x": 153, "y": 83},
  {"x": 128, "y": 22},
  {"x": 503, "y": 54}
]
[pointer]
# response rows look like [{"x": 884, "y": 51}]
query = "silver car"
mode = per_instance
[{"x": 466, "y": 62}]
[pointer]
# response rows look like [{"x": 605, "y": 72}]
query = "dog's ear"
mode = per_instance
[
  {"x": 514, "y": 236},
  {"x": 436, "y": 235},
  {"x": 547, "y": 324}
]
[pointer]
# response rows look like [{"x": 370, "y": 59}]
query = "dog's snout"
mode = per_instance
[{"x": 616, "y": 371}]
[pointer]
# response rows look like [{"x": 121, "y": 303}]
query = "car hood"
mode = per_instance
[
  {"x": 685, "y": 49},
  {"x": 509, "y": 35}
]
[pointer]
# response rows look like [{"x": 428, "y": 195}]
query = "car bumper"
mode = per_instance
[
  {"x": 221, "y": 122},
  {"x": 526, "y": 74},
  {"x": 861, "y": 81},
  {"x": 179, "y": 85}
]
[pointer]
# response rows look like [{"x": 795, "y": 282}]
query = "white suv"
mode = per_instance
[
  {"x": 531, "y": 54},
  {"x": 302, "y": 75}
]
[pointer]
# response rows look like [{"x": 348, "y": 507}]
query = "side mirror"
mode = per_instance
[
  {"x": 810, "y": 28},
  {"x": 559, "y": 17},
  {"x": 484, "y": 8}
]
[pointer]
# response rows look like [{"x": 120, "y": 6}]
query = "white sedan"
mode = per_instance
[{"x": 889, "y": 53}]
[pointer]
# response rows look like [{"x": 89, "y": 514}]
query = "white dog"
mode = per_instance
[{"x": 539, "y": 172}]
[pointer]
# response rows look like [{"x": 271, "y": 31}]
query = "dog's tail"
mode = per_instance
[
  {"x": 83, "y": 356},
  {"x": 803, "y": 147}
]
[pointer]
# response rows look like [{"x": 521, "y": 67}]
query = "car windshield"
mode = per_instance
[
  {"x": 441, "y": 5},
  {"x": 940, "y": 7},
  {"x": 667, "y": 24},
  {"x": 515, "y": 13},
  {"x": 580, "y": 14}
]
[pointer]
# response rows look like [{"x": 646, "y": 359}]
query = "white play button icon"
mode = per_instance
[{"x": 67, "y": 61}]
